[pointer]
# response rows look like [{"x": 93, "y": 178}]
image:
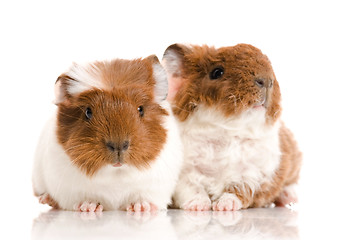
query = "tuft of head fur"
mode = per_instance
[
  {"x": 109, "y": 113},
  {"x": 248, "y": 80}
]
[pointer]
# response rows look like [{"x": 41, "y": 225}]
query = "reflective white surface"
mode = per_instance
[{"x": 261, "y": 223}]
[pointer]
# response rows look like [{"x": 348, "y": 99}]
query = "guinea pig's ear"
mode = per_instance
[
  {"x": 79, "y": 78},
  {"x": 173, "y": 62},
  {"x": 173, "y": 59},
  {"x": 160, "y": 77},
  {"x": 61, "y": 92}
]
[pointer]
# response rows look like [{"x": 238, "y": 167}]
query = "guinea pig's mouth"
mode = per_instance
[
  {"x": 258, "y": 106},
  {"x": 261, "y": 104},
  {"x": 118, "y": 164},
  {"x": 116, "y": 152}
]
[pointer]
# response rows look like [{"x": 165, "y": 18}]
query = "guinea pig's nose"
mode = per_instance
[
  {"x": 113, "y": 147},
  {"x": 125, "y": 145}
]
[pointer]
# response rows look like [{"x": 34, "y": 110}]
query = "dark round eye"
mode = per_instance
[
  {"x": 88, "y": 113},
  {"x": 216, "y": 73},
  {"x": 141, "y": 111}
]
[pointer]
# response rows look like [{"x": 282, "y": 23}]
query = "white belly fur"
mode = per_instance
[{"x": 220, "y": 151}]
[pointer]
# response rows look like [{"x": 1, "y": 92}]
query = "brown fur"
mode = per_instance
[
  {"x": 233, "y": 93},
  {"x": 127, "y": 85}
]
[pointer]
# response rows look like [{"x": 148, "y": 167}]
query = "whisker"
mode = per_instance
[{"x": 76, "y": 146}]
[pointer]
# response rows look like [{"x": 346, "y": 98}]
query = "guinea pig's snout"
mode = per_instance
[
  {"x": 263, "y": 85},
  {"x": 117, "y": 150},
  {"x": 117, "y": 147}
]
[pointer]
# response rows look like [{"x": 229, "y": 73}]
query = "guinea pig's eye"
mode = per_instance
[
  {"x": 88, "y": 113},
  {"x": 216, "y": 73},
  {"x": 141, "y": 111}
]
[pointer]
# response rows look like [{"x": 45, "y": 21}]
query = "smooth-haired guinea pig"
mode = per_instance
[
  {"x": 238, "y": 153},
  {"x": 113, "y": 142}
]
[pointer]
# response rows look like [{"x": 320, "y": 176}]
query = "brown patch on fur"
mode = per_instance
[
  {"x": 234, "y": 92},
  {"x": 287, "y": 174},
  {"x": 115, "y": 118}
]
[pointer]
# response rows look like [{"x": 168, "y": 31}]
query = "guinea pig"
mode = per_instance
[
  {"x": 238, "y": 153},
  {"x": 113, "y": 142}
]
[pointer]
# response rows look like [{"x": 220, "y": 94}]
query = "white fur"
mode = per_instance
[
  {"x": 221, "y": 152},
  {"x": 114, "y": 188},
  {"x": 86, "y": 76}
]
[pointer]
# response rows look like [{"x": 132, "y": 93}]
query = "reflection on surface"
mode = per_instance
[{"x": 260, "y": 223}]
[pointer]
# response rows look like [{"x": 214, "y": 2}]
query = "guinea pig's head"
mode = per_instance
[
  {"x": 229, "y": 79},
  {"x": 109, "y": 113}
]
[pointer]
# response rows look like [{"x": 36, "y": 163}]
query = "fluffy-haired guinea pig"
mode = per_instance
[
  {"x": 238, "y": 153},
  {"x": 113, "y": 142}
]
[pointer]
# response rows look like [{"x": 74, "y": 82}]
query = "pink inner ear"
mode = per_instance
[{"x": 174, "y": 83}]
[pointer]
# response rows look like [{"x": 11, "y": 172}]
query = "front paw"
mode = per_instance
[
  {"x": 142, "y": 207},
  {"x": 88, "y": 207},
  {"x": 227, "y": 202},
  {"x": 201, "y": 203}
]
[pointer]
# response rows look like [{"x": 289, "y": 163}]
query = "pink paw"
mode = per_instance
[
  {"x": 227, "y": 202},
  {"x": 88, "y": 207},
  {"x": 198, "y": 204},
  {"x": 142, "y": 207}
]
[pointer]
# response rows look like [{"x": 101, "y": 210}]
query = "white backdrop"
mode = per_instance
[{"x": 314, "y": 47}]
